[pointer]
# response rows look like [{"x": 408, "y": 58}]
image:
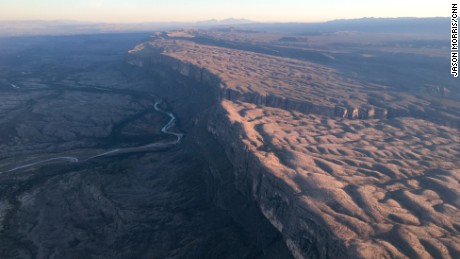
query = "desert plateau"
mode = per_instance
[{"x": 250, "y": 140}]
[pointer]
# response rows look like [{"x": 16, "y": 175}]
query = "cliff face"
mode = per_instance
[
  {"x": 304, "y": 236},
  {"x": 203, "y": 75},
  {"x": 326, "y": 196},
  {"x": 304, "y": 233},
  {"x": 297, "y": 85},
  {"x": 363, "y": 112},
  {"x": 353, "y": 100}
]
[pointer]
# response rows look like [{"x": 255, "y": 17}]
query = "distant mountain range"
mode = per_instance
[
  {"x": 435, "y": 25},
  {"x": 60, "y": 27},
  {"x": 229, "y": 21}
]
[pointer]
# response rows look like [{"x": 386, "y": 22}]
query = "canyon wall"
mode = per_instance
[
  {"x": 195, "y": 110},
  {"x": 268, "y": 185},
  {"x": 304, "y": 235},
  {"x": 203, "y": 75}
]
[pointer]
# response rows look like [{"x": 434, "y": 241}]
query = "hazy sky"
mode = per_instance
[{"x": 188, "y": 10}]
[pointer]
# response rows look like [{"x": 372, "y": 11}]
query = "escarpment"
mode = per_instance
[
  {"x": 239, "y": 88},
  {"x": 334, "y": 193},
  {"x": 291, "y": 84},
  {"x": 340, "y": 168},
  {"x": 275, "y": 192}
]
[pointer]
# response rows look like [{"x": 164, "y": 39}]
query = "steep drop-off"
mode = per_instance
[
  {"x": 135, "y": 191},
  {"x": 295, "y": 85},
  {"x": 333, "y": 187}
]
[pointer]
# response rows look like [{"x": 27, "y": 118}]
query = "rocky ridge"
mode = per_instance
[
  {"x": 292, "y": 84},
  {"x": 333, "y": 187}
]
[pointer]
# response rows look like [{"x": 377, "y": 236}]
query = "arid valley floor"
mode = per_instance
[{"x": 232, "y": 142}]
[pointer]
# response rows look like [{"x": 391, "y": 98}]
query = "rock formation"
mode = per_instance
[{"x": 340, "y": 168}]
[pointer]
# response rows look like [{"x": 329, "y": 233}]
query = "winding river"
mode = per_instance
[
  {"x": 170, "y": 123},
  {"x": 165, "y": 130}
]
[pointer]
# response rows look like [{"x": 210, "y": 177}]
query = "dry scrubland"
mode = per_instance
[
  {"x": 305, "y": 86},
  {"x": 36, "y": 125},
  {"x": 387, "y": 188},
  {"x": 369, "y": 164},
  {"x": 245, "y": 72},
  {"x": 74, "y": 97}
]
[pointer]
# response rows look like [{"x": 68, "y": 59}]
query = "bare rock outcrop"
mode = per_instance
[
  {"x": 289, "y": 84},
  {"x": 260, "y": 92},
  {"x": 340, "y": 168},
  {"x": 332, "y": 194}
]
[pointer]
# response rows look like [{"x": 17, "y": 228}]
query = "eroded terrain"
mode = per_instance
[
  {"x": 388, "y": 188},
  {"x": 229, "y": 143},
  {"x": 340, "y": 165},
  {"x": 305, "y": 86},
  {"x": 92, "y": 163}
]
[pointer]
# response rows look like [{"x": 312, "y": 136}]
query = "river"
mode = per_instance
[{"x": 165, "y": 130}]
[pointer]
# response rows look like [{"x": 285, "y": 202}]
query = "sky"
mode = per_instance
[{"x": 199, "y": 10}]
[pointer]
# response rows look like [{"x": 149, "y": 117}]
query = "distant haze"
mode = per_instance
[
  {"x": 426, "y": 26},
  {"x": 190, "y": 11}
]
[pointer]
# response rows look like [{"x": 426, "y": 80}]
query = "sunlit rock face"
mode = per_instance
[
  {"x": 291, "y": 146},
  {"x": 341, "y": 168}
]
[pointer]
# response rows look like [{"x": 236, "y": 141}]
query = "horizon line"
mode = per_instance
[{"x": 214, "y": 20}]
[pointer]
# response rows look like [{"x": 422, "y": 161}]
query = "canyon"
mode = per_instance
[
  {"x": 136, "y": 191},
  {"x": 233, "y": 142},
  {"x": 340, "y": 167}
]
